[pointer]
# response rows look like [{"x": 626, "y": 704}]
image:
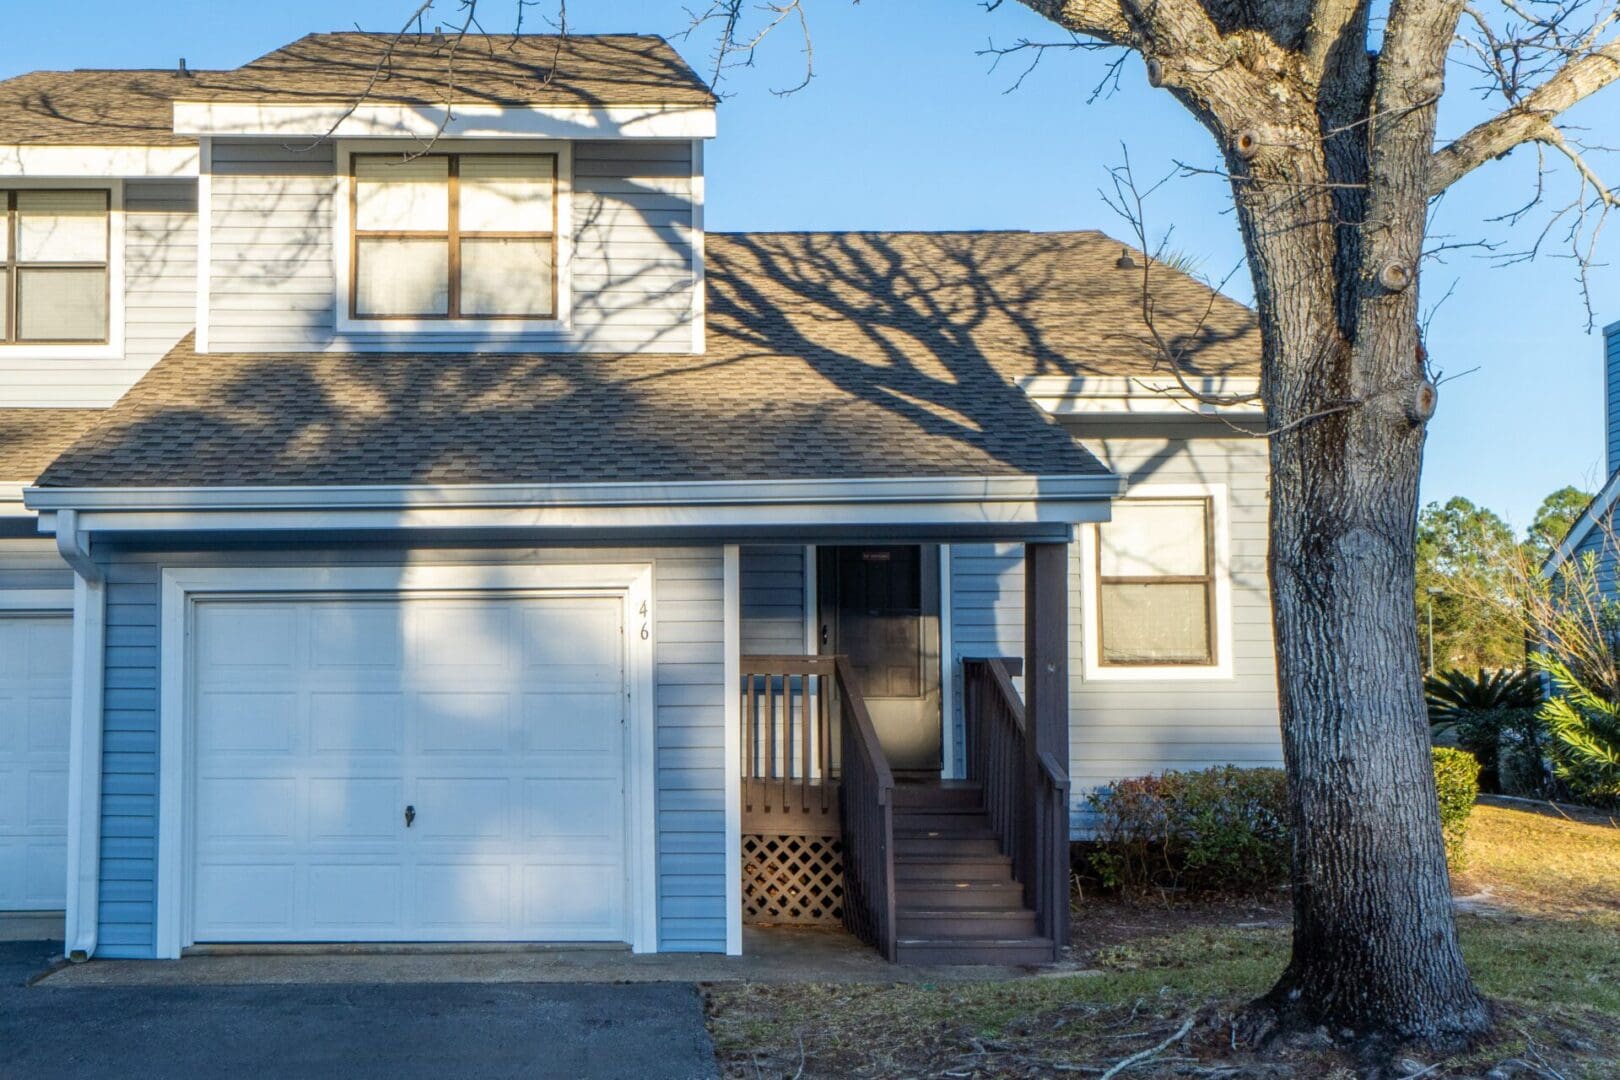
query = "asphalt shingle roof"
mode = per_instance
[
  {"x": 136, "y": 107},
  {"x": 828, "y": 356},
  {"x": 30, "y": 438}
]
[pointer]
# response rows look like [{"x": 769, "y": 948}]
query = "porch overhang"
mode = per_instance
[{"x": 1015, "y": 508}]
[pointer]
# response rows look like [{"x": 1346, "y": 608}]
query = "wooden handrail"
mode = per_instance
[
  {"x": 867, "y": 796},
  {"x": 1026, "y": 793}
]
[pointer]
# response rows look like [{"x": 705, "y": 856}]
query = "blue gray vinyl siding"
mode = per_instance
[
  {"x": 160, "y": 305},
  {"x": 1119, "y": 729},
  {"x": 689, "y": 699},
  {"x": 273, "y": 287},
  {"x": 771, "y": 582},
  {"x": 1611, "y": 386},
  {"x": 29, "y": 563}
]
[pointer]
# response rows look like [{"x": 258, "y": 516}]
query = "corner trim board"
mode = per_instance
[
  {"x": 732, "y": 636},
  {"x": 84, "y": 769}
]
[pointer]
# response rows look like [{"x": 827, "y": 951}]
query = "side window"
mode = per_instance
[
  {"x": 1156, "y": 584},
  {"x": 54, "y": 278},
  {"x": 454, "y": 236}
]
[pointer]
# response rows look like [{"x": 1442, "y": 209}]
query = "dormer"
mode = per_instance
[{"x": 428, "y": 193}]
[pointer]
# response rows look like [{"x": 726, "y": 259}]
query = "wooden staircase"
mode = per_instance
[{"x": 956, "y": 899}]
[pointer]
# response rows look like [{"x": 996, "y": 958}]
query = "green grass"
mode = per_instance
[{"x": 1546, "y": 946}]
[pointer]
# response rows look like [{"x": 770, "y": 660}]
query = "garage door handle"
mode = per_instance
[{"x": 410, "y": 815}]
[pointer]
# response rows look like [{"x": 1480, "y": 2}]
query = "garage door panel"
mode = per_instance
[
  {"x": 253, "y": 900},
  {"x": 447, "y": 636},
  {"x": 580, "y": 723},
  {"x": 47, "y": 800},
  {"x": 247, "y": 722},
  {"x": 48, "y": 647},
  {"x": 47, "y": 723},
  {"x": 350, "y": 722},
  {"x": 246, "y": 636},
  {"x": 499, "y": 720},
  {"x": 356, "y": 635},
  {"x": 463, "y": 722},
  {"x": 464, "y": 895},
  {"x": 251, "y": 808},
  {"x": 36, "y": 658},
  {"x": 566, "y": 814},
  {"x": 361, "y": 896},
  {"x": 355, "y": 808}
]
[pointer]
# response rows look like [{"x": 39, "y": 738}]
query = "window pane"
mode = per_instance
[
  {"x": 391, "y": 195},
  {"x": 5, "y": 306},
  {"x": 402, "y": 277},
  {"x": 5, "y": 228},
  {"x": 1154, "y": 538},
  {"x": 61, "y": 226},
  {"x": 1155, "y": 624},
  {"x": 506, "y": 194},
  {"x": 61, "y": 305},
  {"x": 506, "y": 277}
]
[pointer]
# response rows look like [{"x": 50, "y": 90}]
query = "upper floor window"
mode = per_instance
[
  {"x": 1156, "y": 583},
  {"x": 54, "y": 278},
  {"x": 454, "y": 236}
]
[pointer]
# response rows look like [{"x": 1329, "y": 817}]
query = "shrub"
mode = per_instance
[
  {"x": 1456, "y": 781},
  {"x": 1493, "y": 716},
  {"x": 1584, "y": 730},
  {"x": 1223, "y": 829}
]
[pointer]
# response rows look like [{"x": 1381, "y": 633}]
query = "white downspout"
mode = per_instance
[{"x": 84, "y": 740}]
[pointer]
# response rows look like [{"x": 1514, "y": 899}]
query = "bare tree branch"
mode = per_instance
[{"x": 1529, "y": 120}]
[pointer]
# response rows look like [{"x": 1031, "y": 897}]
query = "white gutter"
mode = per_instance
[
  {"x": 466, "y": 120},
  {"x": 84, "y": 769},
  {"x": 980, "y": 503},
  {"x": 74, "y": 548},
  {"x": 1147, "y": 397}
]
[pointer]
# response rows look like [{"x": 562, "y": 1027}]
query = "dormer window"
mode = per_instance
[
  {"x": 54, "y": 281},
  {"x": 453, "y": 236}
]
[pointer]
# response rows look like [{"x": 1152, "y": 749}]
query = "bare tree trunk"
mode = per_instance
[{"x": 1375, "y": 953}]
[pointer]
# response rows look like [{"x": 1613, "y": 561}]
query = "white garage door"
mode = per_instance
[
  {"x": 392, "y": 769},
  {"x": 36, "y": 657}
]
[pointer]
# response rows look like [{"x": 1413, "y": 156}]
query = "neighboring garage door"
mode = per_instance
[
  {"x": 499, "y": 723},
  {"x": 36, "y": 657}
]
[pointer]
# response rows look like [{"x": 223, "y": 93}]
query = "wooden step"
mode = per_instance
[
  {"x": 974, "y": 925},
  {"x": 1012, "y": 951},
  {"x": 978, "y": 895},
  {"x": 943, "y": 844},
  {"x": 946, "y": 794},
  {"x": 910, "y": 867},
  {"x": 911, "y": 819}
]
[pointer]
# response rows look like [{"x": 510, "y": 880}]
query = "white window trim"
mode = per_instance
[
  {"x": 113, "y": 349},
  {"x": 179, "y": 590},
  {"x": 1093, "y": 670},
  {"x": 487, "y": 328},
  {"x": 35, "y": 601}
]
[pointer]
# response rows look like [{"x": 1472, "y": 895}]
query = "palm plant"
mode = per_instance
[
  {"x": 1493, "y": 716},
  {"x": 1585, "y": 730}
]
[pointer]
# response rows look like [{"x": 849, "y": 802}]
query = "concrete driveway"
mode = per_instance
[{"x": 392, "y": 1031}]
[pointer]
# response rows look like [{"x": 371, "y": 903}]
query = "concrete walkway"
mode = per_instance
[
  {"x": 768, "y": 956},
  {"x": 390, "y": 1030}
]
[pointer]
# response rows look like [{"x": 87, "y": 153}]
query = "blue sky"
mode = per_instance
[{"x": 905, "y": 127}]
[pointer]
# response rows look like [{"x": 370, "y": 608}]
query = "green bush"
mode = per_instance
[
  {"x": 1493, "y": 716},
  {"x": 1584, "y": 726},
  {"x": 1223, "y": 829},
  {"x": 1456, "y": 781}
]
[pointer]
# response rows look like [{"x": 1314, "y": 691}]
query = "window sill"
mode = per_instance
[
  {"x": 1160, "y": 673},
  {"x": 493, "y": 328}
]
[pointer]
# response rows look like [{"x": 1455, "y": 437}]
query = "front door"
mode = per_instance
[{"x": 880, "y": 608}]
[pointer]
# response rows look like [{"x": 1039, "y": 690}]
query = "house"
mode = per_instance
[
  {"x": 1592, "y": 533},
  {"x": 418, "y": 527}
]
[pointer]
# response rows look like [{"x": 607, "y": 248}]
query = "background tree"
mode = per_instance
[
  {"x": 1324, "y": 114},
  {"x": 1462, "y": 559},
  {"x": 1554, "y": 517}
]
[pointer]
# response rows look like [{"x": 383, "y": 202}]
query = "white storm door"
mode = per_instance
[
  {"x": 409, "y": 769},
  {"x": 36, "y": 662}
]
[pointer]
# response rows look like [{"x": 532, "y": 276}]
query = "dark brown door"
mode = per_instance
[{"x": 880, "y": 608}]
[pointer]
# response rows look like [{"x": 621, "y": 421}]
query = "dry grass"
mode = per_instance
[{"x": 1545, "y": 944}]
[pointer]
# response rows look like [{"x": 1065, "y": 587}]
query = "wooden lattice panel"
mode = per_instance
[{"x": 792, "y": 880}]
